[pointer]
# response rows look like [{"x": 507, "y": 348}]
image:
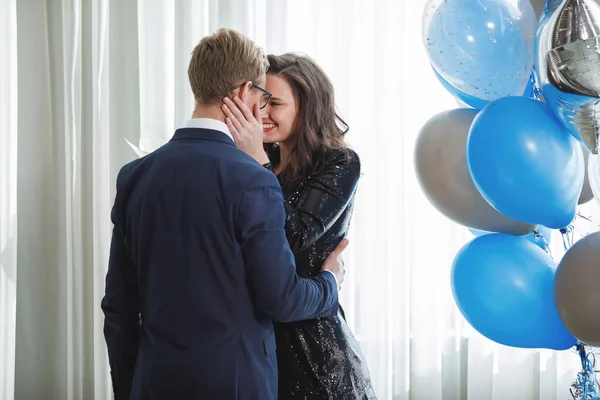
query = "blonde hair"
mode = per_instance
[{"x": 221, "y": 61}]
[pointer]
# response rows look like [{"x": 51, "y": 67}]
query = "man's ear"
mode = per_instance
[{"x": 244, "y": 92}]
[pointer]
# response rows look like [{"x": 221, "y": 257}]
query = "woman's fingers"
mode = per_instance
[
  {"x": 257, "y": 114},
  {"x": 244, "y": 109},
  {"x": 232, "y": 129},
  {"x": 230, "y": 114},
  {"x": 235, "y": 109}
]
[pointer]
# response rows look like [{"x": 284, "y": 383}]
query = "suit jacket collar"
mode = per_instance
[{"x": 202, "y": 134}]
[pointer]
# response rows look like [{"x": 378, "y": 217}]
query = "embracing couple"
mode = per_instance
[{"x": 225, "y": 261}]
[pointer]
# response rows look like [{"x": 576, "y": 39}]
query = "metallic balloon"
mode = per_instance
[
  {"x": 442, "y": 173},
  {"x": 576, "y": 292},
  {"x": 542, "y": 46},
  {"x": 568, "y": 63}
]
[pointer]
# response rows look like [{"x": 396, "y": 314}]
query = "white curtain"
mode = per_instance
[
  {"x": 78, "y": 96},
  {"x": 79, "y": 76},
  {"x": 8, "y": 195}
]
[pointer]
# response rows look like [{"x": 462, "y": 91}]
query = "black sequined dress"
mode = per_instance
[{"x": 320, "y": 358}]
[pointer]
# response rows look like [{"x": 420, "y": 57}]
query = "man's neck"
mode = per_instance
[{"x": 211, "y": 112}]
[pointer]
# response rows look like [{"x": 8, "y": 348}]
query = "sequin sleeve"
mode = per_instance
[{"x": 321, "y": 199}]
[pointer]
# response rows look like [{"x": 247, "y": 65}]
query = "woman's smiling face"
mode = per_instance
[{"x": 279, "y": 115}]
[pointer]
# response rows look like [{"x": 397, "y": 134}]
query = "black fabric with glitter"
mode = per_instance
[{"x": 321, "y": 359}]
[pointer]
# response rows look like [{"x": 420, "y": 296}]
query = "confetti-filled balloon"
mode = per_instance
[{"x": 484, "y": 48}]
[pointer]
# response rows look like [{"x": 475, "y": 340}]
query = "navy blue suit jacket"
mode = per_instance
[{"x": 199, "y": 249}]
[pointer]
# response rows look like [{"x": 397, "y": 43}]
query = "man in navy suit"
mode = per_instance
[{"x": 200, "y": 252}]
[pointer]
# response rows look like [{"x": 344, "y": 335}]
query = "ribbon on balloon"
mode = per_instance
[{"x": 585, "y": 386}]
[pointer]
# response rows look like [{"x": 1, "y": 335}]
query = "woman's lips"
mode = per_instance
[{"x": 269, "y": 127}]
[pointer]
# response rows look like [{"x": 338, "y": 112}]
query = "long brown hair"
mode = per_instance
[{"x": 317, "y": 128}]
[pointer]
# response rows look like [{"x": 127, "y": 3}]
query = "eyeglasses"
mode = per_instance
[{"x": 264, "y": 100}]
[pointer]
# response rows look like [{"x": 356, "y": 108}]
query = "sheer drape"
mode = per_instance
[
  {"x": 77, "y": 96},
  {"x": 80, "y": 76},
  {"x": 8, "y": 195}
]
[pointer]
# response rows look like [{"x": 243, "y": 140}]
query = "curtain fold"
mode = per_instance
[
  {"x": 79, "y": 77},
  {"x": 78, "y": 96},
  {"x": 8, "y": 194}
]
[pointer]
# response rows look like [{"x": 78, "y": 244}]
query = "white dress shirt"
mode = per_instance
[{"x": 208, "y": 123}]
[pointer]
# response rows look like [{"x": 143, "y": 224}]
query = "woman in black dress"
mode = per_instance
[{"x": 304, "y": 142}]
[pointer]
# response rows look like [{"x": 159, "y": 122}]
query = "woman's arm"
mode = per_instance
[{"x": 322, "y": 199}]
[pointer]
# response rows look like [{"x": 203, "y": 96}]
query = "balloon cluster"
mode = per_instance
[{"x": 516, "y": 162}]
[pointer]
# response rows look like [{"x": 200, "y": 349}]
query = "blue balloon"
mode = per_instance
[
  {"x": 483, "y": 48},
  {"x": 474, "y": 102},
  {"x": 524, "y": 163},
  {"x": 504, "y": 287},
  {"x": 541, "y": 237}
]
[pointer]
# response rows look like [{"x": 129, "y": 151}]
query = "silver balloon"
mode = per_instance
[
  {"x": 542, "y": 44},
  {"x": 443, "y": 175},
  {"x": 568, "y": 66}
]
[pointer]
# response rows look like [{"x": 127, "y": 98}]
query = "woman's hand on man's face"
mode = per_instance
[{"x": 246, "y": 128}]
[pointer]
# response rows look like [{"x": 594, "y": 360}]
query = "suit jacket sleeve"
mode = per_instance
[
  {"x": 269, "y": 262},
  {"x": 322, "y": 199},
  {"x": 121, "y": 310}
]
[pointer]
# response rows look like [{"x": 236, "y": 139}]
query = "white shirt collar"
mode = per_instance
[{"x": 208, "y": 123}]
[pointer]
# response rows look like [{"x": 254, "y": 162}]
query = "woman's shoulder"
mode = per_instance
[
  {"x": 341, "y": 156},
  {"x": 345, "y": 160}
]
